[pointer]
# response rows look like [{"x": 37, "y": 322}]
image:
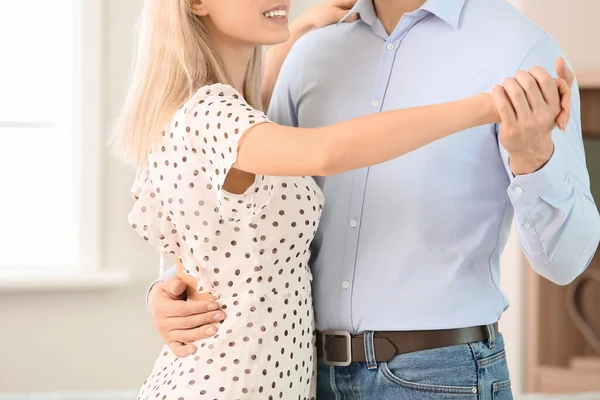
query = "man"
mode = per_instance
[{"x": 406, "y": 259}]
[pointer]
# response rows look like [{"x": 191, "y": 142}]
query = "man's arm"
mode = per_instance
[
  {"x": 178, "y": 321},
  {"x": 557, "y": 221}
]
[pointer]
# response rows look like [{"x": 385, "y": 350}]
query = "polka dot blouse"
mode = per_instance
[{"x": 249, "y": 250}]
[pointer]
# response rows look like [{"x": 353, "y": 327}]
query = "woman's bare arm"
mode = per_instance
[{"x": 270, "y": 149}]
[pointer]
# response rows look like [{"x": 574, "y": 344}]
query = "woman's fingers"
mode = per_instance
[
  {"x": 351, "y": 18},
  {"x": 564, "y": 90},
  {"x": 347, "y": 4},
  {"x": 343, "y": 7}
]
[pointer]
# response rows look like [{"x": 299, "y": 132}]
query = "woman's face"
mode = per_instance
[{"x": 252, "y": 22}]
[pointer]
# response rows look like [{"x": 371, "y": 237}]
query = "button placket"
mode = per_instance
[{"x": 352, "y": 236}]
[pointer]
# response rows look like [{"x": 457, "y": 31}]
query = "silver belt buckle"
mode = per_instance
[{"x": 325, "y": 335}]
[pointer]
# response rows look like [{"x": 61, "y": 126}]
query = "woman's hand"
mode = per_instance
[
  {"x": 326, "y": 13},
  {"x": 564, "y": 82}
]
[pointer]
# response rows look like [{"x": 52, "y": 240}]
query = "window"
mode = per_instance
[{"x": 51, "y": 130}]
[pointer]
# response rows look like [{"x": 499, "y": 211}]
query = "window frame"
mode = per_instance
[
  {"x": 88, "y": 135},
  {"x": 88, "y": 123}
]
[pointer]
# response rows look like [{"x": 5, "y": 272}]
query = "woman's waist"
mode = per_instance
[
  {"x": 260, "y": 296},
  {"x": 249, "y": 282}
]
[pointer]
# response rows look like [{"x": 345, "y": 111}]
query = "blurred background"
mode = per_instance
[{"x": 73, "y": 275}]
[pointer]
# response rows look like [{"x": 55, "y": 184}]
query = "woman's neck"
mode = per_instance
[
  {"x": 236, "y": 61},
  {"x": 236, "y": 58}
]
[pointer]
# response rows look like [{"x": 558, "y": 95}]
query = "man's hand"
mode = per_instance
[
  {"x": 531, "y": 105},
  {"x": 181, "y": 322}
]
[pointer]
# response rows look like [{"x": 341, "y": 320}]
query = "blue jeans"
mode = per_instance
[{"x": 474, "y": 371}]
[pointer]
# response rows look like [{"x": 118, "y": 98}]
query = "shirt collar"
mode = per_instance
[{"x": 447, "y": 10}]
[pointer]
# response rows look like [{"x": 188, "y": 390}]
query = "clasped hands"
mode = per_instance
[{"x": 531, "y": 105}]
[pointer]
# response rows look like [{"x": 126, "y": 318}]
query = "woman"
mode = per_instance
[{"x": 229, "y": 194}]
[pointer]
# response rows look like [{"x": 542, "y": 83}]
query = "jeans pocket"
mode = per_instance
[
  {"x": 449, "y": 371},
  {"x": 502, "y": 390}
]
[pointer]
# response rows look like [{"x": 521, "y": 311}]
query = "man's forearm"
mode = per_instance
[
  {"x": 526, "y": 163},
  {"x": 556, "y": 218}
]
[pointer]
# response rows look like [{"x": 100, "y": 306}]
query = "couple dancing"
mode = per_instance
[{"x": 410, "y": 310}]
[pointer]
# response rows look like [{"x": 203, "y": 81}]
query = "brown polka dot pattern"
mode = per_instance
[{"x": 251, "y": 250}]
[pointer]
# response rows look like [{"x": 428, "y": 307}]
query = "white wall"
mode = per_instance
[
  {"x": 59, "y": 341},
  {"x": 574, "y": 24},
  {"x": 298, "y": 6}
]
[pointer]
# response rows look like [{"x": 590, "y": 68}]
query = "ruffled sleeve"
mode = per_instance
[
  {"x": 215, "y": 125},
  {"x": 147, "y": 216},
  {"x": 150, "y": 220}
]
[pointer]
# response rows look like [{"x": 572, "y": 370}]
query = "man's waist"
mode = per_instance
[
  {"x": 340, "y": 348},
  {"x": 427, "y": 305},
  {"x": 378, "y": 320}
]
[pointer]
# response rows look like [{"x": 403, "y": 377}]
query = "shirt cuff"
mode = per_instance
[
  {"x": 163, "y": 277},
  {"x": 545, "y": 184},
  {"x": 149, "y": 290}
]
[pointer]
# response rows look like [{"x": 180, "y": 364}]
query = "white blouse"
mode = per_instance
[{"x": 249, "y": 250}]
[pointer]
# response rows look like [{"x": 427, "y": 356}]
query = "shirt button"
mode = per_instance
[
  {"x": 375, "y": 103},
  {"x": 354, "y": 223},
  {"x": 518, "y": 189},
  {"x": 345, "y": 284},
  {"x": 526, "y": 225},
  {"x": 391, "y": 46}
]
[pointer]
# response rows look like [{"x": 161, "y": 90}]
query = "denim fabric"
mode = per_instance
[{"x": 475, "y": 371}]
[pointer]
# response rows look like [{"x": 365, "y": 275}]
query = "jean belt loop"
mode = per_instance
[
  {"x": 370, "y": 350},
  {"x": 491, "y": 335}
]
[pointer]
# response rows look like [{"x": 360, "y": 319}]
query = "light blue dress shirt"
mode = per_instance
[{"x": 415, "y": 243}]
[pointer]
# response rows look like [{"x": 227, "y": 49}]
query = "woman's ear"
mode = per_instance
[{"x": 198, "y": 7}]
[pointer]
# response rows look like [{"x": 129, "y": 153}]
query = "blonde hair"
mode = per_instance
[{"x": 175, "y": 58}]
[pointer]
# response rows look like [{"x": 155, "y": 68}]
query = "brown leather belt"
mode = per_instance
[{"x": 339, "y": 348}]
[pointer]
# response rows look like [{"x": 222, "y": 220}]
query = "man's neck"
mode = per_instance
[{"x": 389, "y": 12}]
